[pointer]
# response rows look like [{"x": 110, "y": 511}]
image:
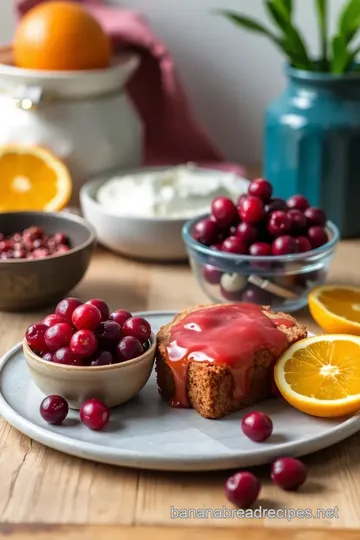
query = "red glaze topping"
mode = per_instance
[{"x": 227, "y": 335}]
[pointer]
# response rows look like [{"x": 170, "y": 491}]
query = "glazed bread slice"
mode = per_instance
[{"x": 209, "y": 386}]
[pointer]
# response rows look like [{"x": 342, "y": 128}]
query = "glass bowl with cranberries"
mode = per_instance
[
  {"x": 43, "y": 256},
  {"x": 261, "y": 249},
  {"x": 83, "y": 351}
]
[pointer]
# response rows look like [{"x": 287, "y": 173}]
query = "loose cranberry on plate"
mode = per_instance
[
  {"x": 54, "y": 409},
  {"x": 120, "y": 316},
  {"x": 128, "y": 348},
  {"x": 205, "y": 231},
  {"x": 317, "y": 237},
  {"x": 246, "y": 232},
  {"x": 257, "y": 426},
  {"x": 35, "y": 337},
  {"x": 86, "y": 317},
  {"x": 94, "y": 414},
  {"x": 211, "y": 274},
  {"x": 260, "y": 188},
  {"x": 284, "y": 245},
  {"x": 234, "y": 245},
  {"x": 288, "y": 473},
  {"x": 242, "y": 489},
  {"x": 298, "y": 221},
  {"x": 315, "y": 216},
  {"x": 279, "y": 223},
  {"x": 102, "y": 307},
  {"x": 251, "y": 209},
  {"x": 137, "y": 327},
  {"x": 66, "y": 308},
  {"x": 83, "y": 343},
  {"x": 58, "y": 336},
  {"x": 224, "y": 211}
]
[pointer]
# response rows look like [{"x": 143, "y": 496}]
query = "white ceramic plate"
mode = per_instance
[{"x": 147, "y": 434}]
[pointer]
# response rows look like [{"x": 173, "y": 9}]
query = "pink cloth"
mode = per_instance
[{"x": 172, "y": 133}]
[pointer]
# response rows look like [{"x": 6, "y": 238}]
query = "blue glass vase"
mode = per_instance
[{"x": 312, "y": 144}]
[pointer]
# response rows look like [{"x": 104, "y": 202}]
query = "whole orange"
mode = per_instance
[{"x": 60, "y": 36}]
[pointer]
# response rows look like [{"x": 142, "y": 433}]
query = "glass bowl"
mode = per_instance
[{"x": 281, "y": 282}]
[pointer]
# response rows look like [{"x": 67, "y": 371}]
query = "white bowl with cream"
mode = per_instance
[{"x": 140, "y": 213}]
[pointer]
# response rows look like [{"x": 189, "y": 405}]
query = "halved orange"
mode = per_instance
[
  {"x": 32, "y": 178},
  {"x": 336, "y": 308},
  {"x": 320, "y": 375}
]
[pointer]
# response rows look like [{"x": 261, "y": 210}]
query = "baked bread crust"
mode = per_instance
[{"x": 210, "y": 386}]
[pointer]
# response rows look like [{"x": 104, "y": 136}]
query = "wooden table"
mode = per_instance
[{"x": 45, "y": 494}]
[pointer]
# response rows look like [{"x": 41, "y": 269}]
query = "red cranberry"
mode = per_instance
[
  {"x": 120, "y": 316},
  {"x": 109, "y": 332},
  {"x": 40, "y": 253},
  {"x": 7, "y": 255},
  {"x": 233, "y": 244},
  {"x": 246, "y": 232},
  {"x": 102, "y": 307},
  {"x": 205, "y": 231},
  {"x": 67, "y": 357},
  {"x": 83, "y": 343},
  {"x": 255, "y": 295},
  {"x": 35, "y": 337},
  {"x": 58, "y": 336},
  {"x": 20, "y": 254},
  {"x": 39, "y": 244},
  {"x": 260, "y": 188},
  {"x": 242, "y": 489},
  {"x": 47, "y": 356},
  {"x": 211, "y": 274},
  {"x": 128, "y": 348},
  {"x": 86, "y": 316},
  {"x": 260, "y": 249},
  {"x": 66, "y": 308},
  {"x": 257, "y": 426},
  {"x": 103, "y": 358},
  {"x": 288, "y": 473},
  {"x": 297, "y": 202},
  {"x": 241, "y": 198},
  {"x": 279, "y": 223},
  {"x": 284, "y": 245},
  {"x": 94, "y": 414},
  {"x": 232, "y": 296},
  {"x": 62, "y": 249},
  {"x": 33, "y": 233},
  {"x": 317, "y": 237},
  {"x": 217, "y": 247},
  {"x": 137, "y": 327},
  {"x": 303, "y": 244},
  {"x": 298, "y": 220},
  {"x": 315, "y": 216},
  {"x": 224, "y": 211},
  {"x": 50, "y": 320},
  {"x": 251, "y": 210},
  {"x": 61, "y": 238},
  {"x": 54, "y": 409},
  {"x": 5, "y": 245},
  {"x": 275, "y": 204}
]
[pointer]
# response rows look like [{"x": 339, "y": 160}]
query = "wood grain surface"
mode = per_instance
[{"x": 39, "y": 485}]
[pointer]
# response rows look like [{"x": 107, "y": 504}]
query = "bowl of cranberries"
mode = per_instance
[
  {"x": 84, "y": 351},
  {"x": 43, "y": 256},
  {"x": 261, "y": 249}
]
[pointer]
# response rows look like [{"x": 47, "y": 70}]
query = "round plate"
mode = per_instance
[{"x": 146, "y": 433}]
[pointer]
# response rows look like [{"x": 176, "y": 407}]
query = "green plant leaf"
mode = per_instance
[
  {"x": 288, "y": 5},
  {"x": 352, "y": 57},
  {"x": 349, "y": 20},
  {"x": 340, "y": 55},
  {"x": 322, "y": 13},
  {"x": 245, "y": 22},
  {"x": 278, "y": 14},
  {"x": 297, "y": 46}
]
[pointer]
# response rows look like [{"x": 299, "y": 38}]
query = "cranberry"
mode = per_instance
[
  {"x": 315, "y": 216},
  {"x": 102, "y": 307},
  {"x": 50, "y": 320},
  {"x": 303, "y": 244},
  {"x": 298, "y": 220},
  {"x": 7, "y": 255},
  {"x": 35, "y": 337},
  {"x": 284, "y": 245},
  {"x": 279, "y": 223},
  {"x": 255, "y": 295},
  {"x": 83, "y": 343},
  {"x": 251, "y": 210},
  {"x": 47, "y": 356},
  {"x": 230, "y": 295},
  {"x": 58, "y": 336},
  {"x": 257, "y": 426},
  {"x": 288, "y": 473},
  {"x": 104, "y": 358},
  {"x": 62, "y": 249},
  {"x": 5, "y": 245},
  {"x": 260, "y": 188},
  {"x": 128, "y": 348},
  {"x": 39, "y": 244},
  {"x": 54, "y": 409},
  {"x": 94, "y": 414},
  {"x": 241, "y": 198},
  {"x": 137, "y": 327},
  {"x": 40, "y": 253},
  {"x": 120, "y": 316},
  {"x": 242, "y": 489},
  {"x": 211, "y": 274},
  {"x": 86, "y": 316},
  {"x": 260, "y": 249},
  {"x": 66, "y": 308},
  {"x": 275, "y": 204},
  {"x": 33, "y": 233},
  {"x": 224, "y": 211},
  {"x": 61, "y": 238},
  {"x": 66, "y": 356},
  {"x": 109, "y": 332},
  {"x": 217, "y": 247},
  {"x": 233, "y": 244},
  {"x": 246, "y": 232},
  {"x": 317, "y": 237},
  {"x": 205, "y": 231},
  {"x": 298, "y": 202},
  {"x": 19, "y": 254}
]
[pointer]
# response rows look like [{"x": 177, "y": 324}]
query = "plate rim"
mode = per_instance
[{"x": 135, "y": 459}]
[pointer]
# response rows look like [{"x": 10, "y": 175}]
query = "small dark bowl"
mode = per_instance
[{"x": 27, "y": 284}]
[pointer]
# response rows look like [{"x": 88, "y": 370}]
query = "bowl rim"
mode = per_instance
[
  {"x": 191, "y": 243},
  {"x": 100, "y": 180},
  {"x": 91, "y": 369},
  {"x": 67, "y": 216}
]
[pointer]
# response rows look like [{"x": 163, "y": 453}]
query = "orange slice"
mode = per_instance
[
  {"x": 320, "y": 375},
  {"x": 32, "y": 178},
  {"x": 336, "y": 309}
]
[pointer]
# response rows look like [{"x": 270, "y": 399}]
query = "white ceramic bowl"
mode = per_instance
[{"x": 142, "y": 238}]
